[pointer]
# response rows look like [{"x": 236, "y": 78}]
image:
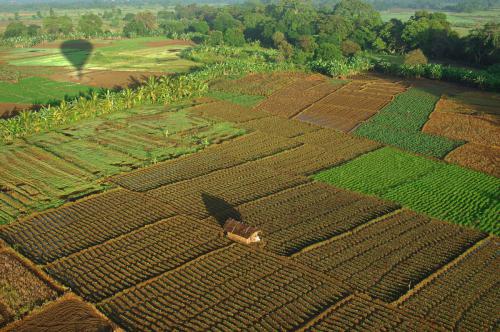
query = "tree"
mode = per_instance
[
  {"x": 58, "y": 25},
  {"x": 215, "y": 38},
  {"x": 391, "y": 33},
  {"x": 350, "y": 48},
  {"x": 129, "y": 17},
  {"x": 172, "y": 27},
  {"x": 483, "y": 44},
  {"x": 90, "y": 25},
  {"x": 143, "y": 24},
  {"x": 225, "y": 21},
  {"x": 328, "y": 51},
  {"x": 200, "y": 26},
  {"x": 234, "y": 37},
  {"x": 33, "y": 30},
  {"x": 415, "y": 57},
  {"x": 15, "y": 29}
]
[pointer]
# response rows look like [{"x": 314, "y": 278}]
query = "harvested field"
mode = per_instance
[
  {"x": 350, "y": 105},
  {"x": 22, "y": 287},
  {"x": 247, "y": 148},
  {"x": 438, "y": 189},
  {"x": 69, "y": 313},
  {"x": 470, "y": 102},
  {"x": 302, "y": 216},
  {"x": 484, "y": 129},
  {"x": 235, "y": 186},
  {"x": 244, "y": 289},
  {"x": 389, "y": 257},
  {"x": 261, "y": 84},
  {"x": 102, "y": 271},
  {"x": 278, "y": 126},
  {"x": 86, "y": 223},
  {"x": 296, "y": 97},
  {"x": 478, "y": 157},
  {"x": 360, "y": 313},
  {"x": 463, "y": 296},
  {"x": 226, "y": 111}
]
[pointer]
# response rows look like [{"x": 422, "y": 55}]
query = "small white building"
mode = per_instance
[{"x": 239, "y": 232}]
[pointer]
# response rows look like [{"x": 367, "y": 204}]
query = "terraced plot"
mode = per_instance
[
  {"x": 463, "y": 296},
  {"x": 226, "y": 111},
  {"x": 302, "y": 216},
  {"x": 238, "y": 151},
  {"x": 389, "y": 257},
  {"x": 295, "y": 97},
  {"x": 235, "y": 186},
  {"x": 440, "y": 190},
  {"x": 278, "y": 126},
  {"x": 400, "y": 123},
  {"x": 86, "y": 223},
  {"x": 350, "y": 105},
  {"x": 103, "y": 270},
  {"x": 234, "y": 288},
  {"x": 357, "y": 313}
]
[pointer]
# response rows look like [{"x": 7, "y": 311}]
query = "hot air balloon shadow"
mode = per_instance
[{"x": 77, "y": 52}]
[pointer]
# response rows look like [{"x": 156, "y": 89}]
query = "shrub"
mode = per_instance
[
  {"x": 415, "y": 57},
  {"x": 350, "y": 48}
]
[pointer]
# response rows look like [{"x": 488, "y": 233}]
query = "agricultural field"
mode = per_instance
[
  {"x": 50, "y": 72},
  {"x": 355, "y": 234}
]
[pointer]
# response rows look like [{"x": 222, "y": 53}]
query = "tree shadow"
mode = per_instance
[
  {"x": 220, "y": 209},
  {"x": 77, "y": 52}
]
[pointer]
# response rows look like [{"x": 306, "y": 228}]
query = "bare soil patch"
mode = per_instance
[
  {"x": 8, "y": 110},
  {"x": 69, "y": 313},
  {"x": 57, "y": 44},
  {"x": 479, "y": 157},
  {"x": 170, "y": 42}
]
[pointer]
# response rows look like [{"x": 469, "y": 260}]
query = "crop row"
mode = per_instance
[
  {"x": 227, "y": 111},
  {"x": 292, "y": 99},
  {"x": 101, "y": 271},
  {"x": 400, "y": 124},
  {"x": 294, "y": 219},
  {"x": 247, "y": 148},
  {"x": 444, "y": 191},
  {"x": 279, "y": 126},
  {"x": 389, "y": 257},
  {"x": 232, "y": 289},
  {"x": 360, "y": 314},
  {"x": 465, "y": 296},
  {"x": 71, "y": 228},
  {"x": 234, "y": 186},
  {"x": 333, "y": 116}
]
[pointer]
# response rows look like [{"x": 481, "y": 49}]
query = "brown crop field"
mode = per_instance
[
  {"x": 22, "y": 287},
  {"x": 479, "y": 157},
  {"x": 389, "y": 257},
  {"x": 463, "y": 296},
  {"x": 261, "y": 84},
  {"x": 350, "y": 105},
  {"x": 226, "y": 111},
  {"x": 296, "y": 218},
  {"x": 244, "y": 289},
  {"x": 69, "y": 313},
  {"x": 83, "y": 224},
  {"x": 103, "y": 270},
  {"x": 279, "y": 126}
]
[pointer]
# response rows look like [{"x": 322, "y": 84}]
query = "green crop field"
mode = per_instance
[
  {"x": 437, "y": 189},
  {"x": 400, "y": 123},
  {"x": 127, "y": 54},
  {"x": 239, "y": 99},
  {"x": 38, "y": 90}
]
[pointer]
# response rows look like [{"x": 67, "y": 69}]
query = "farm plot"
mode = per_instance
[
  {"x": 104, "y": 270},
  {"x": 238, "y": 151},
  {"x": 295, "y": 97},
  {"x": 259, "y": 84},
  {"x": 85, "y": 223},
  {"x": 226, "y": 111},
  {"x": 400, "y": 123},
  {"x": 233, "y": 186},
  {"x": 389, "y": 257},
  {"x": 294, "y": 219},
  {"x": 440, "y": 190},
  {"x": 350, "y": 105},
  {"x": 278, "y": 126},
  {"x": 369, "y": 316},
  {"x": 463, "y": 296},
  {"x": 479, "y": 157},
  {"x": 22, "y": 287},
  {"x": 46, "y": 170},
  {"x": 69, "y": 313},
  {"x": 244, "y": 289}
]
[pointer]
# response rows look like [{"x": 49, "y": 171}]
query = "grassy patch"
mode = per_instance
[
  {"x": 39, "y": 90},
  {"x": 440, "y": 190},
  {"x": 239, "y": 99},
  {"x": 400, "y": 123}
]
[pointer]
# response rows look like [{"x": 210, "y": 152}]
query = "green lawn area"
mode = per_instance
[
  {"x": 39, "y": 90},
  {"x": 440, "y": 190},
  {"x": 126, "y": 54},
  {"x": 400, "y": 123}
]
